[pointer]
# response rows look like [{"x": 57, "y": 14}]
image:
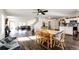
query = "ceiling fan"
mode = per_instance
[{"x": 41, "y": 11}]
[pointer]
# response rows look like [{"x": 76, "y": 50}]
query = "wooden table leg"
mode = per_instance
[
  {"x": 50, "y": 41},
  {"x": 48, "y": 44}
]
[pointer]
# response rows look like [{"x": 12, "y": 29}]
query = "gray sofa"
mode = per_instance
[{"x": 9, "y": 44}]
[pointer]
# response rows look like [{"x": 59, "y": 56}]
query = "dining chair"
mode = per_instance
[
  {"x": 59, "y": 40},
  {"x": 46, "y": 38},
  {"x": 43, "y": 37},
  {"x": 37, "y": 36}
]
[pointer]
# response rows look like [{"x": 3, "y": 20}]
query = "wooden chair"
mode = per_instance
[
  {"x": 38, "y": 36},
  {"x": 43, "y": 37},
  {"x": 59, "y": 40},
  {"x": 46, "y": 38}
]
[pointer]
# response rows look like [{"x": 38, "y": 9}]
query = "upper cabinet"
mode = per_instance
[{"x": 68, "y": 20}]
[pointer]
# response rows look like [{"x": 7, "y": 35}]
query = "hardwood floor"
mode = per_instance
[
  {"x": 71, "y": 42},
  {"x": 30, "y": 44}
]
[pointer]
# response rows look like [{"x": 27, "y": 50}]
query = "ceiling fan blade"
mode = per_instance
[
  {"x": 41, "y": 11},
  {"x": 45, "y": 11}
]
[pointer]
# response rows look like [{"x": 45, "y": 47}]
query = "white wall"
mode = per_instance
[
  {"x": 2, "y": 23},
  {"x": 54, "y": 23},
  {"x": 39, "y": 23},
  {"x": 31, "y": 21},
  {"x": 36, "y": 22},
  {"x": 18, "y": 21}
]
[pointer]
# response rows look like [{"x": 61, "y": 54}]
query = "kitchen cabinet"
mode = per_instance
[{"x": 66, "y": 29}]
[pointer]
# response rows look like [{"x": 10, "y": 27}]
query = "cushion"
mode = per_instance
[{"x": 58, "y": 35}]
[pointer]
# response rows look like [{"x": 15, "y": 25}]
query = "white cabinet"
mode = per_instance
[
  {"x": 67, "y": 30},
  {"x": 68, "y": 20},
  {"x": 62, "y": 28}
]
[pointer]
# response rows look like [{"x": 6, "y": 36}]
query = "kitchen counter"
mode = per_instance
[{"x": 67, "y": 29}]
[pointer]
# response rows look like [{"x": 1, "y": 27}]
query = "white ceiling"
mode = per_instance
[{"x": 51, "y": 12}]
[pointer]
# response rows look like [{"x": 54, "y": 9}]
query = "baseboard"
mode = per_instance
[
  {"x": 57, "y": 29},
  {"x": 69, "y": 34}
]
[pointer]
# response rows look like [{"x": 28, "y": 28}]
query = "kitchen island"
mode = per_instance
[{"x": 66, "y": 29}]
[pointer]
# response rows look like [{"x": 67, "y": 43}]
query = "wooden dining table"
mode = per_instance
[
  {"x": 52, "y": 33},
  {"x": 25, "y": 42}
]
